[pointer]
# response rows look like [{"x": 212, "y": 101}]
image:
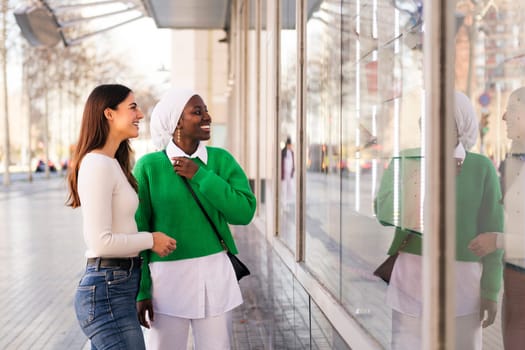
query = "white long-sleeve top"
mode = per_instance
[{"x": 108, "y": 204}]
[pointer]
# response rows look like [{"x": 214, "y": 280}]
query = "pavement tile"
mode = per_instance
[{"x": 41, "y": 254}]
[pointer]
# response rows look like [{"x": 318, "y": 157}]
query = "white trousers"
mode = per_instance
[
  {"x": 407, "y": 333},
  {"x": 171, "y": 333}
]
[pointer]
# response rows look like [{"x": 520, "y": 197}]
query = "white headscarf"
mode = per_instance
[
  {"x": 466, "y": 121},
  {"x": 166, "y": 114}
]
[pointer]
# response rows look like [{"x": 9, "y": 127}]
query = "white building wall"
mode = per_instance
[{"x": 200, "y": 62}]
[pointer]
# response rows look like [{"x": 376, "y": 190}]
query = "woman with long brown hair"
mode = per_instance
[{"x": 102, "y": 185}]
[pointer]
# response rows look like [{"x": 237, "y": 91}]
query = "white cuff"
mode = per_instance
[{"x": 500, "y": 241}]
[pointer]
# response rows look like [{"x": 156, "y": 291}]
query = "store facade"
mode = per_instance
[{"x": 326, "y": 96}]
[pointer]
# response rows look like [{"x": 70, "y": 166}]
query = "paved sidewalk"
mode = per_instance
[
  {"x": 40, "y": 248},
  {"x": 41, "y": 254}
]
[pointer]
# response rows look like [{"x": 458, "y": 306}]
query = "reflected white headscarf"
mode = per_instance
[
  {"x": 466, "y": 121},
  {"x": 166, "y": 114}
]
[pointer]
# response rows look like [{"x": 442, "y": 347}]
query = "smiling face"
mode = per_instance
[
  {"x": 515, "y": 116},
  {"x": 124, "y": 120},
  {"x": 194, "y": 124}
]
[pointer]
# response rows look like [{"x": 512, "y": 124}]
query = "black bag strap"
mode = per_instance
[{"x": 223, "y": 244}]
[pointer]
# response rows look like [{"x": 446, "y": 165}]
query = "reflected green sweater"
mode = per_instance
[
  {"x": 478, "y": 210},
  {"x": 166, "y": 205}
]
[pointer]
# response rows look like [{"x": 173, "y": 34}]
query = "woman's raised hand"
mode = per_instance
[{"x": 184, "y": 166}]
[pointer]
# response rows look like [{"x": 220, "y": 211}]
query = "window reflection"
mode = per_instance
[
  {"x": 365, "y": 125},
  {"x": 363, "y": 108},
  {"x": 325, "y": 163},
  {"x": 399, "y": 203},
  {"x": 489, "y": 69},
  {"x": 513, "y": 241}
]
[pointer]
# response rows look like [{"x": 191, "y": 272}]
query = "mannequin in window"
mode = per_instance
[{"x": 513, "y": 241}]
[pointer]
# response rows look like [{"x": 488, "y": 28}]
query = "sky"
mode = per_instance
[{"x": 143, "y": 46}]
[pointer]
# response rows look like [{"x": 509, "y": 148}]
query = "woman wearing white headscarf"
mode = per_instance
[
  {"x": 195, "y": 285},
  {"x": 478, "y": 210}
]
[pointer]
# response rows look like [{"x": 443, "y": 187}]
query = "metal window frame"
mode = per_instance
[{"x": 439, "y": 242}]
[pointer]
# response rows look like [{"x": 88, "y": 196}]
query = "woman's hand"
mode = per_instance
[
  {"x": 490, "y": 308},
  {"x": 163, "y": 244},
  {"x": 184, "y": 166},
  {"x": 144, "y": 306},
  {"x": 484, "y": 243}
]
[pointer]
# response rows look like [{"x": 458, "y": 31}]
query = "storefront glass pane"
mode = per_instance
[
  {"x": 287, "y": 123},
  {"x": 324, "y": 167},
  {"x": 364, "y": 109},
  {"x": 365, "y": 158}
]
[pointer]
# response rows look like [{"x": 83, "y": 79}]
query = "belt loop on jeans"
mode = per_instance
[{"x": 97, "y": 264}]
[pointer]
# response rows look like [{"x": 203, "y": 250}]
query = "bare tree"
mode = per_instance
[
  {"x": 55, "y": 82},
  {"x": 69, "y": 73}
]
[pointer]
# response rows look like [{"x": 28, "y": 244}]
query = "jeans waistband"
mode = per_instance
[{"x": 123, "y": 263}]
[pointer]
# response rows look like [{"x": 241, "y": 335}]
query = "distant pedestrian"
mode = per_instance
[
  {"x": 287, "y": 173},
  {"x": 101, "y": 183},
  {"x": 196, "y": 285}
]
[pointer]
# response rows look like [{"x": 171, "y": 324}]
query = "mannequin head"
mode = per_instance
[{"x": 515, "y": 116}]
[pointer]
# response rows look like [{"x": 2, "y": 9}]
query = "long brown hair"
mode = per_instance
[{"x": 94, "y": 131}]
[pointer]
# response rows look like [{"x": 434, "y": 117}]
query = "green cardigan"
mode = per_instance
[
  {"x": 478, "y": 210},
  {"x": 166, "y": 205}
]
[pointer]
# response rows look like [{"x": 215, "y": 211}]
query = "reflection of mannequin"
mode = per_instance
[
  {"x": 513, "y": 181},
  {"x": 513, "y": 240},
  {"x": 287, "y": 172}
]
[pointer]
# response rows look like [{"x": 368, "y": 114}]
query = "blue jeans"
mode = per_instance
[{"x": 106, "y": 308}]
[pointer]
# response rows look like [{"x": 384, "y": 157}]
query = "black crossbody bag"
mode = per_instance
[
  {"x": 384, "y": 271},
  {"x": 240, "y": 269}
]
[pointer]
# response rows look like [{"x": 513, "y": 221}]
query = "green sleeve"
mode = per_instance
[
  {"x": 229, "y": 193},
  {"x": 492, "y": 275},
  {"x": 145, "y": 277},
  {"x": 384, "y": 201},
  {"x": 490, "y": 219},
  {"x": 142, "y": 217}
]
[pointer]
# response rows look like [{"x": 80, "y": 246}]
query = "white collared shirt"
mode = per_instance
[
  {"x": 172, "y": 150},
  {"x": 195, "y": 288},
  {"x": 198, "y": 287}
]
